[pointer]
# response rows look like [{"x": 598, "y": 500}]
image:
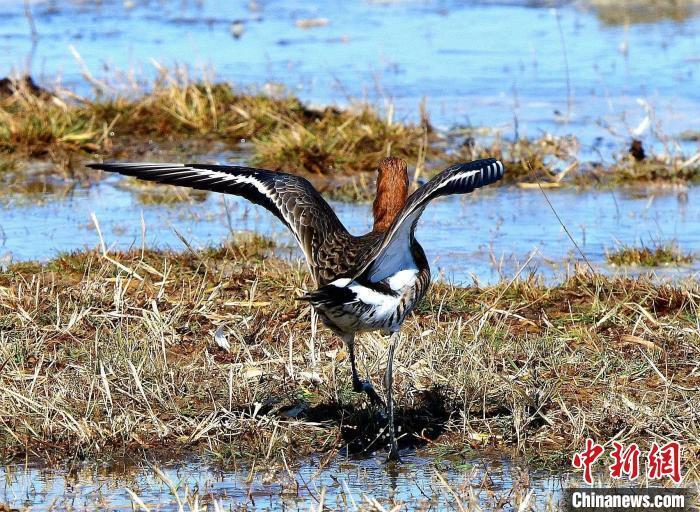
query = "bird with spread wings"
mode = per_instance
[{"x": 364, "y": 283}]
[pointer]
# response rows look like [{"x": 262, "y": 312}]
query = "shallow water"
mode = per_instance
[
  {"x": 491, "y": 234},
  {"x": 342, "y": 484},
  {"x": 482, "y": 63}
]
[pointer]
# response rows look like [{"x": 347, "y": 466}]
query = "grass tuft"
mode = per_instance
[
  {"x": 613, "y": 12},
  {"x": 338, "y": 141},
  {"x": 654, "y": 170},
  {"x": 663, "y": 254}
]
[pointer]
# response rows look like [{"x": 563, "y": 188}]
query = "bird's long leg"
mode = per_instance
[
  {"x": 388, "y": 386},
  {"x": 359, "y": 385},
  {"x": 312, "y": 344}
]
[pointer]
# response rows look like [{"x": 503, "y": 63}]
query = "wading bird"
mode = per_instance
[{"x": 365, "y": 283}]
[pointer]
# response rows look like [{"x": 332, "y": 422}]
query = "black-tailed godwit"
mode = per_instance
[{"x": 365, "y": 283}]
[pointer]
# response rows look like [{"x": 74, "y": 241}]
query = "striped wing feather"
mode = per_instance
[
  {"x": 291, "y": 198},
  {"x": 393, "y": 253}
]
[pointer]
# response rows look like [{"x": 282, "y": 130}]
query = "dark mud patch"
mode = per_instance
[{"x": 363, "y": 430}]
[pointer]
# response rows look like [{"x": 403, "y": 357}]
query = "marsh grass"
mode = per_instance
[
  {"x": 338, "y": 141},
  {"x": 285, "y": 133},
  {"x": 356, "y": 189},
  {"x": 653, "y": 170},
  {"x": 554, "y": 161},
  {"x": 175, "y": 114},
  {"x": 113, "y": 354},
  {"x": 38, "y": 124},
  {"x": 527, "y": 160},
  {"x": 659, "y": 254},
  {"x": 613, "y": 12}
]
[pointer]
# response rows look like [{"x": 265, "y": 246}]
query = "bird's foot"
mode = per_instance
[
  {"x": 363, "y": 386},
  {"x": 393, "y": 455}
]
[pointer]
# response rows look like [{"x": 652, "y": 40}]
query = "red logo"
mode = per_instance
[
  {"x": 586, "y": 458},
  {"x": 665, "y": 461},
  {"x": 662, "y": 461},
  {"x": 626, "y": 461}
]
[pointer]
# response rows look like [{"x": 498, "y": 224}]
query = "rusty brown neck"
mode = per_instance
[{"x": 392, "y": 191}]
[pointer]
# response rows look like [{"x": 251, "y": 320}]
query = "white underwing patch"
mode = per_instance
[
  {"x": 221, "y": 340},
  {"x": 402, "y": 279}
]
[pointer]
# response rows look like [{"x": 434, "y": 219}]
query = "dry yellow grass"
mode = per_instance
[
  {"x": 108, "y": 355},
  {"x": 283, "y": 133},
  {"x": 615, "y": 12},
  {"x": 658, "y": 254}
]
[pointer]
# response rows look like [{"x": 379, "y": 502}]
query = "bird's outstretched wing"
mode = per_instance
[
  {"x": 393, "y": 254},
  {"x": 291, "y": 198}
]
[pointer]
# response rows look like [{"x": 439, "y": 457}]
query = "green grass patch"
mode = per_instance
[{"x": 658, "y": 255}]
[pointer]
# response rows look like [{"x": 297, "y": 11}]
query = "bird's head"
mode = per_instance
[{"x": 392, "y": 191}]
